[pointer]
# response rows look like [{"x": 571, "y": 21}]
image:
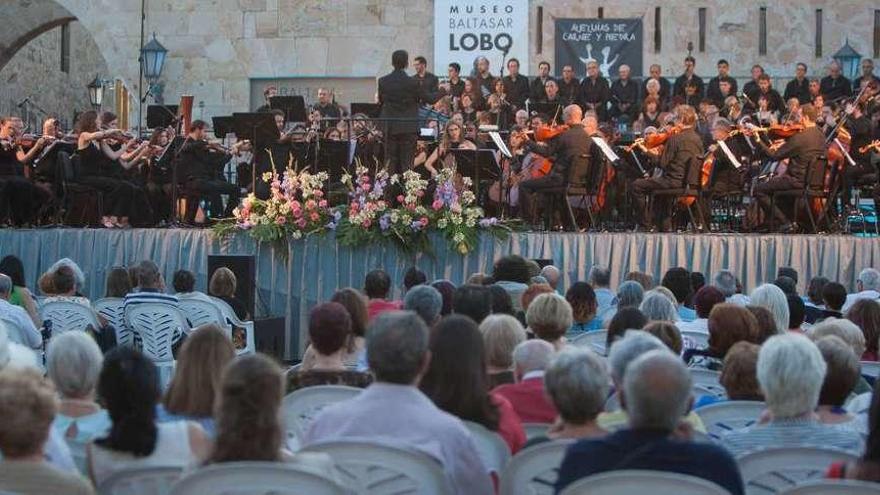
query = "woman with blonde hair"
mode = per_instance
[
  {"x": 222, "y": 286},
  {"x": 501, "y": 334}
]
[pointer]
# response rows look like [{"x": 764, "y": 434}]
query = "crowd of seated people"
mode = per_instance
[{"x": 438, "y": 362}]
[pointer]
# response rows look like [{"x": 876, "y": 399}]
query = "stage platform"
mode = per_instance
[{"x": 288, "y": 284}]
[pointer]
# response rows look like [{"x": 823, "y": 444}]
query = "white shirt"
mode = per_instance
[
  {"x": 739, "y": 299},
  {"x": 16, "y": 314},
  {"x": 402, "y": 416},
  {"x": 700, "y": 325},
  {"x": 865, "y": 294},
  {"x": 172, "y": 449}
]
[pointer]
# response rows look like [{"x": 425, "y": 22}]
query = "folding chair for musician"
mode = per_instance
[{"x": 691, "y": 195}]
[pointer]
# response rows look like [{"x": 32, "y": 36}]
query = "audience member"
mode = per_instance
[
  {"x": 27, "y": 331},
  {"x": 151, "y": 289},
  {"x": 393, "y": 409},
  {"x": 501, "y": 334},
  {"x": 534, "y": 290},
  {"x": 739, "y": 374},
  {"x": 766, "y": 323},
  {"x": 28, "y": 406},
  {"x": 329, "y": 333},
  {"x": 629, "y": 295},
  {"x": 773, "y": 298},
  {"x": 814, "y": 303},
  {"x": 425, "y": 301},
  {"x": 549, "y": 317},
  {"x": 413, "y": 277},
  {"x": 788, "y": 272},
  {"x": 119, "y": 284},
  {"x": 222, "y": 286},
  {"x": 704, "y": 300},
  {"x": 656, "y": 394},
  {"x": 64, "y": 285},
  {"x": 668, "y": 333},
  {"x": 129, "y": 388},
  {"x": 511, "y": 273},
  {"x": 795, "y": 312},
  {"x": 625, "y": 319},
  {"x": 530, "y": 359},
  {"x": 786, "y": 285},
  {"x": 474, "y": 301},
  {"x": 13, "y": 268},
  {"x": 446, "y": 289},
  {"x": 457, "y": 382},
  {"x": 867, "y": 287},
  {"x": 194, "y": 387},
  {"x": 678, "y": 281},
  {"x": 726, "y": 282},
  {"x": 791, "y": 371},
  {"x": 501, "y": 303},
  {"x": 834, "y": 296},
  {"x": 552, "y": 275},
  {"x": 184, "y": 284},
  {"x": 377, "y": 287},
  {"x": 698, "y": 281},
  {"x": 77, "y": 272},
  {"x": 477, "y": 279},
  {"x": 356, "y": 305},
  {"x": 728, "y": 324},
  {"x": 583, "y": 307},
  {"x": 840, "y": 380},
  {"x": 865, "y": 313},
  {"x": 867, "y": 467},
  {"x": 646, "y": 280},
  {"x": 656, "y": 306},
  {"x": 73, "y": 362},
  {"x": 599, "y": 279}
]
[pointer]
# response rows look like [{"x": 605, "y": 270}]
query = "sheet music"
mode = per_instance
[
  {"x": 603, "y": 145},
  {"x": 502, "y": 147},
  {"x": 729, "y": 154}
]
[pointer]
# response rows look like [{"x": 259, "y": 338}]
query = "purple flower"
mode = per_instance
[
  {"x": 385, "y": 221},
  {"x": 488, "y": 222},
  {"x": 416, "y": 225},
  {"x": 337, "y": 215}
]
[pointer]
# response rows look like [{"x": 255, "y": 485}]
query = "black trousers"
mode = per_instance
[
  {"x": 21, "y": 199},
  {"x": 641, "y": 189},
  {"x": 764, "y": 190},
  {"x": 119, "y": 195},
  {"x": 401, "y": 152},
  {"x": 529, "y": 188},
  {"x": 862, "y": 174},
  {"x": 211, "y": 189}
]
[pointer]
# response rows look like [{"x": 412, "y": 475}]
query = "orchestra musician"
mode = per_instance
[
  {"x": 799, "y": 87},
  {"x": 595, "y": 91},
  {"x": 625, "y": 96},
  {"x": 523, "y": 165},
  {"x": 569, "y": 86},
  {"x": 453, "y": 139},
  {"x": 203, "y": 163},
  {"x": 727, "y": 178},
  {"x": 268, "y": 93},
  {"x": 802, "y": 150},
  {"x": 516, "y": 86},
  {"x": 681, "y": 149},
  {"x": 157, "y": 181},
  {"x": 570, "y": 151},
  {"x": 861, "y": 132},
  {"x": 22, "y": 198},
  {"x": 688, "y": 77},
  {"x": 714, "y": 89}
]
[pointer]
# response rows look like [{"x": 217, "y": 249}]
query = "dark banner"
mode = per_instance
[{"x": 610, "y": 42}]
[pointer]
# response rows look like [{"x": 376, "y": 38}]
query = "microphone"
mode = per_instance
[{"x": 24, "y": 102}]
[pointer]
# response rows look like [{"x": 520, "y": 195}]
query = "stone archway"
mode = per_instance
[{"x": 33, "y": 18}]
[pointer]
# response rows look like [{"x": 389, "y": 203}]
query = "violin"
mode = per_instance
[
  {"x": 546, "y": 132},
  {"x": 873, "y": 145},
  {"x": 654, "y": 140},
  {"x": 782, "y": 131}
]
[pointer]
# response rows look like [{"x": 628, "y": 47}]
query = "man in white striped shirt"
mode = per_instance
[{"x": 151, "y": 289}]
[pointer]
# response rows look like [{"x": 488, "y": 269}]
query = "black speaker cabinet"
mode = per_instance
[{"x": 245, "y": 273}]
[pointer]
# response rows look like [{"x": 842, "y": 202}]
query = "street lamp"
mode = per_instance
[
  {"x": 848, "y": 59},
  {"x": 153, "y": 58},
  {"x": 96, "y": 92}
]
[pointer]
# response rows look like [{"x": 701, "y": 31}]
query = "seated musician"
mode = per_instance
[
  {"x": 523, "y": 165},
  {"x": 650, "y": 114},
  {"x": 158, "y": 177},
  {"x": 21, "y": 196},
  {"x": 203, "y": 165},
  {"x": 571, "y": 151},
  {"x": 863, "y": 173},
  {"x": 453, "y": 138},
  {"x": 727, "y": 178},
  {"x": 802, "y": 150},
  {"x": 123, "y": 162},
  {"x": 680, "y": 150}
]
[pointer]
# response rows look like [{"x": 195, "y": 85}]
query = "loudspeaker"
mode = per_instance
[
  {"x": 245, "y": 273},
  {"x": 269, "y": 336}
]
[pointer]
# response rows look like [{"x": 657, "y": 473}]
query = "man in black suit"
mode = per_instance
[
  {"x": 835, "y": 86},
  {"x": 713, "y": 90},
  {"x": 679, "y": 88},
  {"x": 427, "y": 81},
  {"x": 799, "y": 87},
  {"x": 400, "y": 96}
]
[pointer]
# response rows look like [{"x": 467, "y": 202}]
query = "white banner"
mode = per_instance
[{"x": 467, "y": 29}]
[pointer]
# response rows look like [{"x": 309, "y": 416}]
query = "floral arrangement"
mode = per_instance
[{"x": 297, "y": 207}]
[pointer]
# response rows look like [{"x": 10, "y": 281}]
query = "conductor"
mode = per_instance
[{"x": 400, "y": 96}]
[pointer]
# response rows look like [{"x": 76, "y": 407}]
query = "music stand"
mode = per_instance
[
  {"x": 479, "y": 165},
  {"x": 294, "y": 107},
  {"x": 551, "y": 110},
  {"x": 222, "y": 126},
  {"x": 371, "y": 110},
  {"x": 333, "y": 159},
  {"x": 260, "y": 129},
  {"x": 161, "y": 116}
]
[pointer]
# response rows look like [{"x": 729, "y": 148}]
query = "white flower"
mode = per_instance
[
  {"x": 441, "y": 224},
  {"x": 458, "y": 237}
]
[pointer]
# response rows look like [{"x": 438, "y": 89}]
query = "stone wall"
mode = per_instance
[{"x": 216, "y": 47}]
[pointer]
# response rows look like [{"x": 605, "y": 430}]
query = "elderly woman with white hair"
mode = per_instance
[
  {"x": 772, "y": 298},
  {"x": 527, "y": 396},
  {"x": 549, "y": 316},
  {"x": 791, "y": 372},
  {"x": 657, "y": 306},
  {"x": 501, "y": 334},
  {"x": 848, "y": 332},
  {"x": 840, "y": 380},
  {"x": 74, "y": 362}
]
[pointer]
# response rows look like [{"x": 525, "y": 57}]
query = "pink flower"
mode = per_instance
[
  {"x": 353, "y": 207},
  {"x": 420, "y": 193},
  {"x": 280, "y": 220},
  {"x": 276, "y": 184},
  {"x": 400, "y": 198},
  {"x": 311, "y": 204},
  {"x": 296, "y": 212},
  {"x": 301, "y": 223},
  {"x": 314, "y": 216},
  {"x": 295, "y": 204},
  {"x": 437, "y": 204},
  {"x": 367, "y": 223},
  {"x": 322, "y": 203},
  {"x": 319, "y": 193},
  {"x": 411, "y": 207},
  {"x": 366, "y": 187},
  {"x": 424, "y": 220}
]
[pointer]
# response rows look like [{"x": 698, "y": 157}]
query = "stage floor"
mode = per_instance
[{"x": 288, "y": 284}]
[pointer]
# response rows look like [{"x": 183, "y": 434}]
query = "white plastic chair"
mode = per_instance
[
  {"x": 859, "y": 404},
  {"x": 156, "y": 323},
  {"x": 726, "y": 416},
  {"x": 199, "y": 312},
  {"x": 772, "y": 471},
  {"x": 69, "y": 316},
  {"x": 492, "y": 448},
  {"x": 377, "y": 469},
  {"x": 709, "y": 380},
  {"x": 699, "y": 338},
  {"x": 14, "y": 332},
  {"x": 256, "y": 478},
  {"x": 535, "y": 429},
  {"x": 231, "y": 318},
  {"x": 870, "y": 369},
  {"x": 534, "y": 470},
  {"x": 301, "y": 406},
  {"x": 141, "y": 481},
  {"x": 835, "y": 487},
  {"x": 594, "y": 340},
  {"x": 637, "y": 481},
  {"x": 111, "y": 308}
]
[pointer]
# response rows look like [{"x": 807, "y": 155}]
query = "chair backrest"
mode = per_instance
[
  {"x": 376, "y": 469},
  {"x": 834, "y": 487},
  {"x": 870, "y": 368},
  {"x": 256, "y": 478},
  {"x": 594, "y": 340},
  {"x": 639, "y": 481},
  {"x": 492, "y": 448},
  {"x": 709, "y": 380},
  {"x": 701, "y": 339},
  {"x": 200, "y": 312},
  {"x": 859, "y": 404},
  {"x": 535, "y": 429},
  {"x": 68, "y": 316},
  {"x": 232, "y": 319},
  {"x": 155, "y": 480},
  {"x": 730, "y": 415},
  {"x": 156, "y": 324},
  {"x": 301, "y": 406},
  {"x": 534, "y": 470},
  {"x": 111, "y": 308},
  {"x": 772, "y": 471}
]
